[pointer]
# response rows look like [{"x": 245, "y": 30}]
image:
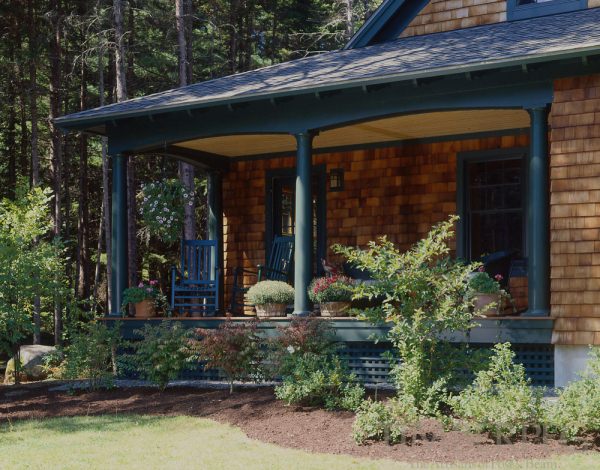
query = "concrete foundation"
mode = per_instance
[{"x": 569, "y": 362}]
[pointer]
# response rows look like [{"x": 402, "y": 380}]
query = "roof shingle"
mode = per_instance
[{"x": 440, "y": 53}]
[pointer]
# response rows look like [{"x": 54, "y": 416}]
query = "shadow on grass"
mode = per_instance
[{"x": 74, "y": 424}]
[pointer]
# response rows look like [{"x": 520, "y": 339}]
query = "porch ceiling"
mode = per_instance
[{"x": 393, "y": 129}]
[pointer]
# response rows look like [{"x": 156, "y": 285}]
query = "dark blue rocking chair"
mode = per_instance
[
  {"x": 278, "y": 268},
  {"x": 195, "y": 287}
]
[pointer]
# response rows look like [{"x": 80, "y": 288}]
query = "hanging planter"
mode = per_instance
[{"x": 162, "y": 208}]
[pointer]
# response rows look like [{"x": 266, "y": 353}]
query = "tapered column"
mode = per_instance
[
  {"x": 215, "y": 226},
  {"x": 304, "y": 229},
  {"x": 538, "y": 219},
  {"x": 119, "y": 231}
]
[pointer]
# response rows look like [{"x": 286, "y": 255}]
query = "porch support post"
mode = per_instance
[
  {"x": 215, "y": 226},
  {"x": 119, "y": 231},
  {"x": 303, "y": 234},
  {"x": 538, "y": 218}
]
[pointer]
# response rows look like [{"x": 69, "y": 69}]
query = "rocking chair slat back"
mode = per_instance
[
  {"x": 196, "y": 291},
  {"x": 280, "y": 260}
]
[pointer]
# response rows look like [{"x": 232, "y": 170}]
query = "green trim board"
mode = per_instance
[
  {"x": 463, "y": 158},
  {"x": 517, "y": 330}
]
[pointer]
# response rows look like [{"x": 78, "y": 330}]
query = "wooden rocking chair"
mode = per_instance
[
  {"x": 278, "y": 268},
  {"x": 195, "y": 287}
]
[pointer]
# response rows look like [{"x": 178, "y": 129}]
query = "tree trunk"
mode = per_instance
[
  {"x": 56, "y": 139},
  {"x": 186, "y": 171}
]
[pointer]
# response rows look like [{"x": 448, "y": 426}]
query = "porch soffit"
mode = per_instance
[{"x": 414, "y": 126}]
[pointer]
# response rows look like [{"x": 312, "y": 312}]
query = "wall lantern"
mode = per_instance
[{"x": 336, "y": 180}]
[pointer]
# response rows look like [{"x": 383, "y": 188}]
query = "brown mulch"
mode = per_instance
[{"x": 265, "y": 419}]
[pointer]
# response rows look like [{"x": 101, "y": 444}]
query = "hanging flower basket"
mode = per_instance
[{"x": 162, "y": 208}]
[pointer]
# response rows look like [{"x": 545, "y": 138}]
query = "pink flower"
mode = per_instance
[
  {"x": 481, "y": 269},
  {"x": 153, "y": 282},
  {"x": 148, "y": 289},
  {"x": 498, "y": 277},
  {"x": 141, "y": 284}
]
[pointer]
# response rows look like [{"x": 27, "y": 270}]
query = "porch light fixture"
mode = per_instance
[{"x": 336, "y": 180}]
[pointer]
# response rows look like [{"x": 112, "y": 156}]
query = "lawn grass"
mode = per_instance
[{"x": 145, "y": 442}]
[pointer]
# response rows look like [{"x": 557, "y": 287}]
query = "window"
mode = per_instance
[
  {"x": 492, "y": 205},
  {"x": 522, "y": 9}
]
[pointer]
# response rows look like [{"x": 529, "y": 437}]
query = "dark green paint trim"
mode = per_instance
[
  {"x": 304, "y": 227},
  {"x": 119, "y": 232},
  {"x": 391, "y": 143},
  {"x": 518, "y": 331},
  {"x": 215, "y": 228},
  {"x": 539, "y": 215},
  {"x": 514, "y": 11},
  {"x": 353, "y": 106},
  {"x": 462, "y": 159},
  {"x": 204, "y": 160}
]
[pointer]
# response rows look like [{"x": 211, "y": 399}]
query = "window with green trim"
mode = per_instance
[{"x": 522, "y": 9}]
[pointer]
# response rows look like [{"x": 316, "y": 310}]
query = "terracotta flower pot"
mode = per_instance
[
  {"x": 270, "y": 310},
  {"x": 334, "y": 309},
  {"x": 145, "y": 309},
  {"x": 488, "y": 305}
]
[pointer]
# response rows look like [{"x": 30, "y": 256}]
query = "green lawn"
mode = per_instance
[{"x": 141, "y": 442}]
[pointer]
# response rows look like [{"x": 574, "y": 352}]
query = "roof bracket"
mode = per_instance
[
  {"x": 585, "y": 61},
  {"x": 524, "y": 68}
]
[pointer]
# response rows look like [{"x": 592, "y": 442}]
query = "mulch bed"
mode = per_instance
[{"x": 265, "y": 419}]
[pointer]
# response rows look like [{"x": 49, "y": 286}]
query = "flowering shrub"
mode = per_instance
[
  {"x": 270, "y": 292},
  {"x": 161, "y": 207},
  {"x": 234, "y": 347},
  {"x": 481, "y": 282},
  {"x": 331, "y": 289}
]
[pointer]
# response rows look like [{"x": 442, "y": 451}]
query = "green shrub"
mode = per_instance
[
  {"x": 331, "y": 289},
  {"x": 577, "y": 410},
  {"x": 92, "y": 355},
  {"x": 270, "y": 292},
  {"x": 500, "y": 401},
  {"x": 162, "y": 353},
  {"x": 379, "y": 421},
  {"x": 316, "y": 380},
  {"x": 234, "y": 348},
  {"x": 424, "y": 294}
]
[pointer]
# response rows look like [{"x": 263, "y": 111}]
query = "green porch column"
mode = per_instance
[
  {"x": 538, "y": 219},
  {"x": 119, "y": 231},
  {"x": 303, "y": 233},
  {"x": 215, "y": 225}
]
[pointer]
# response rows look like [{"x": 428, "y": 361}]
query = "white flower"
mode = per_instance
[
  {"x": 291, "y": 349},
  {"x": 190, "y": 203}
]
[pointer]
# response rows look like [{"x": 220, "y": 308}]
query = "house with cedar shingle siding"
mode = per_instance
[{"x": 483, "y": 108}]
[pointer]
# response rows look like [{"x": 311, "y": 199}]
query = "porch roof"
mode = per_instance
[{"x": 468, "y": 50}]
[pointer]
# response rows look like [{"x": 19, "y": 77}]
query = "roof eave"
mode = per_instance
[{"x": 84, "y": 123}]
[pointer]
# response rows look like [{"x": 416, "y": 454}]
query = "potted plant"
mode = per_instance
[
  {"x": 333, "y": 294},
  {"x": 486, "y": 293},
  {"x": 145, "y": 298},
  {"x": 270, "y": 298}
]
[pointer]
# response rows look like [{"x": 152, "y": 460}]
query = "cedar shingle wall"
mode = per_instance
[
  {"x": 399, "y": 192},
  {"x": 575, "y": 210},
  {"x": 449, "y": 15}
]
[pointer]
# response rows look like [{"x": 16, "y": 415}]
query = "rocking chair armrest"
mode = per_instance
[
  {"x": 239, "y": 270},
  {"x": 262, "y": 268},
  {"x": 175, "y": 272}
]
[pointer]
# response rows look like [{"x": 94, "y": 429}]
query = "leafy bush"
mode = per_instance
[
  {"x": 31, "y": 266},
  {"x": 270, "y": 292},
  {"x": 481, "y": 282},
  {"x": 305, "y": 356},
  {"x": 92, "y": 355},
  {"x": 162, "y": 353},
  {"x": 315, "y": 380},
  {"x": 379, "y": 421},
  {"x": 577, "y": 410},
  {"x": 424, "y": 293},
  {"x": 234, "y": 347},
  {"x": 500, "y": 400},
  {"x": 161, "y": 206},
  {"x": 331, "y": 289}
]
